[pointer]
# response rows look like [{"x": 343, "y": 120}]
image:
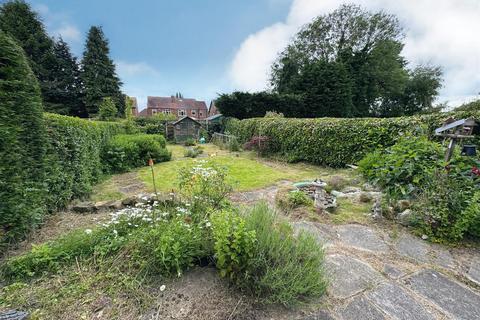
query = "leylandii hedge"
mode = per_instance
[
  {"x": 74, "y": 156},
  {"x": 335, "y": 142}
]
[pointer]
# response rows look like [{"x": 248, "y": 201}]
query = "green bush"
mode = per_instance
[
  {"x": 107, "y": 110},
  {"x": 22, "y": 144},
  {"x": 150, "y": 125},
  {"x": 281, "y": 268},
  {"x": 448, "y": 207},
  {"x": 189, "y": 142},
  {"x": 299, "y": 198},
  {"x": 125, "y": 152},
  {"x": 404, "y": 167},
  {"x": 334, "y": 142},
  {"x": 193, "y": 152}
]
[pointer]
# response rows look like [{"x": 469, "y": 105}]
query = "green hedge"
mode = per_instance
[
  {"x": 124, "y": 152},
  {"x": 334, "y": 142},
  {"x": 74, "y": 156}
]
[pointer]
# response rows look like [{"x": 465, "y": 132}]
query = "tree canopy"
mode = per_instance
[{"x": 98, "y": 73}]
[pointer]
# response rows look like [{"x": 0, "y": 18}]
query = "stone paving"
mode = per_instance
[{"x": 376, "y": 276}]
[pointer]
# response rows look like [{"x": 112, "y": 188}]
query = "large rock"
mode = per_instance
[
  {"x": 398, "y": 304},
  {"x": 84, "y": 207},
  {"x": 350, "y": 276},
  {"x": 361, "y": 308},
  {"x": 362, "y": 237},
  {"x": 405, "y": 217},
  {"x": 450, "y": 296}
]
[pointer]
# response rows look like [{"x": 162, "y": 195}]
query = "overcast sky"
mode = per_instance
[{"x": 202, "y": 48}]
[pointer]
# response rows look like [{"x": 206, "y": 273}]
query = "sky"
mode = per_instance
[{"x": 202, "y": 48}]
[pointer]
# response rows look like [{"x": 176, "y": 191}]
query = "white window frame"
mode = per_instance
[
  {"x": 154, "y": 111},
  {"x": 182, "y": 112},
  {"x": 194, "y": 112}
]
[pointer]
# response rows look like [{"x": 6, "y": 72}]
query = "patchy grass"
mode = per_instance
[
  {"x": 244, "y": 173},
  {"x": 349, "y": 211},
  {"x": 106, "y": 190}
]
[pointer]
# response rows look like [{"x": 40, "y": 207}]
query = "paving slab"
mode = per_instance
[
  {"x": 442, "y": 257},
  {"x": 350, "y": 276},
  {"x": 412, "y": 247},
  {"x": 474, "y": 270},
  {"x": 450, "y": 296},
  {"x": 393, "y": 272},
  {"x": 362, "y": 237},
  {"x": 320, "y": 315},
  {"x": 360, "y": 308},
  {"x": 397, "y": 303}
]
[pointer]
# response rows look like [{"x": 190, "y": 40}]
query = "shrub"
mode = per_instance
[
  {"x": 107, "y": 110},
  {"x": 280, "y": 269},
  {"x": 334, "y": 142},
  {"x": 22, "y": 144},
  {"x": 193, "y": 152},
  {"x": 299, "y": 198},
  {"x": 190, "y": 142},
  {"x": 258, "y": 143},
  {"x": 233, "y": 145},
  {"x": 404, "y": 167},
  {"x": 204, "y": 186},
  {"x": 448, "y": 207},
  {"x": 124, "y": 152},
  {"x": 151, "y": 125}
]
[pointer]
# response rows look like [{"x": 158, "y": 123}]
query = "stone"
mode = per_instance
[
  {"x": 116, "y": 205},
  {"x": 412, "y": 247},
  {"x": 338, "y": 194},
  {"x": 377, "y": 210},
  {"x": 369, "y": 187},
  {"x": 403, "y": 205},
  {"x": 361, "y": 308},
  {"x": 397, "y": 303},
  {"x": 450, "y": 296},
  {"x": 13, "y": 315},
  {"x": 424, "y": 237},
  {"x": 473, "y": 273},
  {"x": 351, "y": 190},
  {"x": 393, "y": 272},
  {"x": 405, "y": 217},
  {"x": 320, "y": 315},
  {"x": 442, "y": 257},
  {"x": 130, "y": 201},
  {"x": 362, "y": 237},
  {"x": 84, "y": 207},
  {"x": 350, "y": 276},
  {"x": 105, "y": 205}
]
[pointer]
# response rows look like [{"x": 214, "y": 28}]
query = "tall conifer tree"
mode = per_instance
[{"x": 98, "y": 73}]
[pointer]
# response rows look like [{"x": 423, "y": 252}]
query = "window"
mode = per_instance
[
  {"x": 154, "y": 111},
  {"x": 181, "y": 112},
  {"x": 193, "y": 112},
  {"x": 200, "y": 113},
  {"x": 166, "y": 111}
]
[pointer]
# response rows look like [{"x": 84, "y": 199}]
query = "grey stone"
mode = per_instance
[
  {"x": 412, "y": 247},
  {"x": 320, "y": 315},
  {"x": 405, "y": 217},
  {"x": 474, "y": 271},
  {"x": 320, "y": 232},
  {"x": 106, "y": 205},
  {"x": 397, "y": 303},
  {"x": 362, "y": 237},
  {"x": 361, "y": 308},
  {"x": 84, "y": 207},
  {"x": 403, "y": 205},
  {"x": 368, "y": 187},
  {"x": 130, "y": 201},
  {"x": 338, "y": 194},
  {"x": 442, "y": 257},
  {"x": 448, "y": 295},
  {"x": 351, "y": 190},
  {"x": 13, "y": 315},
  {"x": 350, "y": 276},
  {"x": 393, "y": 272}
]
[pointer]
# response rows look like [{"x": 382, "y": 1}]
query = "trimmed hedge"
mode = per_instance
[
  {"x": 124, "y": 152},
  {"x": 335, "y": 142},
  {"x": 74, "y": 156}
]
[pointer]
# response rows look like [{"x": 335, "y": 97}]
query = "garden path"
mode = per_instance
[{"x": 377, "y": 273}]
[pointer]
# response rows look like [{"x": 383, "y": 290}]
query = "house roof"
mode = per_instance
[
  {"x": 143, "y": 112},
  {"x": 215, "y": 116},
  {"x": 213, "y": 108},
  {"x": 181, "y": 119},
  {"x": 175, "y": 103}
]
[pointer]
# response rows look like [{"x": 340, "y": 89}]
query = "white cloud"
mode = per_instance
[
  {"x": 68, "y": 32},
  {"x": 442, "y": 32},
  {"x": 133, "y": 69}
]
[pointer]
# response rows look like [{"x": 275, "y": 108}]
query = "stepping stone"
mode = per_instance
[
  {"x": 321, "y": 315},
  {"x": 412, "y": 247},
  {"x": 397, "y": 303},
  {"x": 350, "y": 276},
  {"x": 474, "y": 271},
  {"x": 13, "y": 315},
  {"x": 448, "y": 295},
  {"x": 393, "y": 272},
  {"x": 361, "y": 308},
  {"x": 320, "y": 232},
  {"x": 443, "y": 258},
  {"x": 363, "y": 238}
]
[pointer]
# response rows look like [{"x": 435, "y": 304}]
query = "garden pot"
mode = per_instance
[{"x": 469, "y": 150}]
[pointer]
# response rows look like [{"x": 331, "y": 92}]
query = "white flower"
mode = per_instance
[
  {"x": 208, "y": 224},
  {"x": 162, "y": 287},
  {"x": 88, "y": 231},
  {"x": 115, "y": 232}
]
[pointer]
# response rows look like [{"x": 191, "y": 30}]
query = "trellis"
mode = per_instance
[{"x": 222, "y": 140}]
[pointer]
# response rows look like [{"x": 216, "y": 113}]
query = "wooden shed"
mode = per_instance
[{"x": 186, "y": 128}]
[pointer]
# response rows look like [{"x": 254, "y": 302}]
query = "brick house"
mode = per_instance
[
  {"x": 212, "y": 111},
  {"x": 179, "y": 107}
]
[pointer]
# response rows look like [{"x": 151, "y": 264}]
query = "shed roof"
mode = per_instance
[{"x": 181, "y": 119}]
